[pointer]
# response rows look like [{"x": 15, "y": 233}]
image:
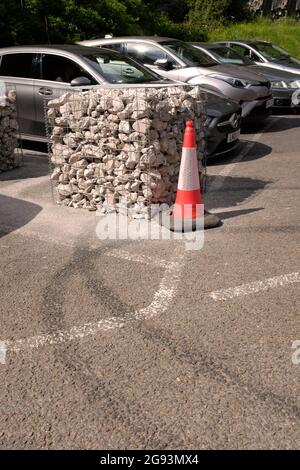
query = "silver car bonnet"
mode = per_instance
[{"x": 239, "y": 72}]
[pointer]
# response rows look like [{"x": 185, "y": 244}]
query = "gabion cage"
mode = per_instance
[
  {"x": 11, "y": 155},
  {"x": 110, "y": 146}
]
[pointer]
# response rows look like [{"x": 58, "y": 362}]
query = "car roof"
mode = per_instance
[
  {"x": 249, "y": 42},
  {"x": 156, "y": 39},
  {"x": 207, "y": 45},
  {"x": 71, "y": 48}
]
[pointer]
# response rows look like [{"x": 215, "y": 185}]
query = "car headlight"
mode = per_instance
[
  {"x": 281, "y": 84},
  {"x": 236, "y": 82},
  {"x": 295, "y": 84}
]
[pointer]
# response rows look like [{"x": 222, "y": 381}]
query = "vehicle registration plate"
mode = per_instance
[{"x": 233, "y": 136}]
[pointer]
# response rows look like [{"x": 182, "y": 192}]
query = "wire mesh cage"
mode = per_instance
[
  {"x": 11, "y": 155},
  {"x": 114, "y": 146}
]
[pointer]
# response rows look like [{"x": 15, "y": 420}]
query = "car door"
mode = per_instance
[
  {"x": 57, "y": 72},
  {"x": 18, "y": 71}
]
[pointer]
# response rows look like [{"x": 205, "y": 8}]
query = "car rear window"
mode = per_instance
[{"x": 21, "y": 65}]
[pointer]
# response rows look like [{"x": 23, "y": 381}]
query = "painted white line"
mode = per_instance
[
  {"x": 127, "y": 256},
  {"x": 160, "y": 303},
  {"x": 254, "y": 287},
  {"x": 2, "y": 352}
]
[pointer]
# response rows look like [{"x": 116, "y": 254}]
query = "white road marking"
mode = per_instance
[
  {"x": 133, "y": 257},
  {"x": 160, "y": 303},
  {"x": 256, "y": 286},
  {"x": 2, "y": 352},
  {"x": 162, "y": 297}
]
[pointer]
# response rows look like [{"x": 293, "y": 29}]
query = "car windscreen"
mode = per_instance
[
  {"x": 118, "y": 69},
  {"x": 275, "y": 53},
  {"x": 191, "y": 56},
  {"x": 229, "y": 56}
]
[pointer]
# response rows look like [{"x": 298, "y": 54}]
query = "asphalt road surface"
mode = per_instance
[{"x": 144, "y": 345}]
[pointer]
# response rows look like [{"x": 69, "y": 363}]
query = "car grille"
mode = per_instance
[
  {"x": 232, "y": 121},
  {"x": 264, "y": 84}
]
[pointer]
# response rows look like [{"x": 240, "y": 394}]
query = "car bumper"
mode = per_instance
[
  {"x": 283, "y": 98},
  {"x": 258, "y": 109},
  {"x": 218, "y": 138}
]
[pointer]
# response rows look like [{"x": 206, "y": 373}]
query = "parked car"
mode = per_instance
[
  {"x": 265, "y": 54},
  {"x": 178, "y": 60},
  {"x": 285, "y": 85},
  {"x": 222, "y": 125},
  {"x": 40, "y": 72}
]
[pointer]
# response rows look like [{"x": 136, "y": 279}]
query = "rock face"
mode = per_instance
[
  {"x": 111, "y": 147},
  {"x": 8, "y": 132},
  {"x": 275, "y": 8}
]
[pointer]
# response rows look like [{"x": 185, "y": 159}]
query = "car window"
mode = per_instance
[
  {"x": 228, "y": 55},
  {"x": 117, "y": 68},
  {"x": 191, "y": 56},
  {"x": 23, "y": 65},
  {"x": 246, "y": 52},
  {"x": 275, "y": 53},
  {"x": 148, "y": 54},
  {"x": 114, "y": 47},
  {"x": 60, "y": 69}
]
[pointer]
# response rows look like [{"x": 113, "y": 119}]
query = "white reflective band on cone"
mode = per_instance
[{"x": 189, "y": 171}]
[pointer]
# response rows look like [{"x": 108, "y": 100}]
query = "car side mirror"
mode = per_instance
[
  {"x": 81, "y": 81},
  {"x": 163, "y": 64}
]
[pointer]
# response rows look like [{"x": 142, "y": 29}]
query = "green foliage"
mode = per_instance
[
  {"x": 285, "y": 33},
  {"x": 65, "y": 21},
  {"x": 56, "y": 21},
  {"x": 210, "y": 14}
]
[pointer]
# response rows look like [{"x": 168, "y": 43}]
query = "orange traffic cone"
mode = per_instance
[{"x": 188, "y": 212}]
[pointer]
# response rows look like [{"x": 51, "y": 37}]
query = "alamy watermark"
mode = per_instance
[
  {"x": 296, "y": 353},
  {"x": 124, "y": 225}
]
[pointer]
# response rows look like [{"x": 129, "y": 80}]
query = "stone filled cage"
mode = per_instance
[
  {"x": 11, "y": 155},
  {"x": 110, "y": 147}
]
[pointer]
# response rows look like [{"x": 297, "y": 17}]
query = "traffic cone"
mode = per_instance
[{"x": 188, "y": 211}]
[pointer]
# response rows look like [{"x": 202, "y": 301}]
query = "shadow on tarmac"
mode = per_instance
[
  {"x": 15, "y": 213},
  {"x": 33, "y": 167},
  {"x": 229, "y": 191},
  {"x": 229, "y": 214},
  {"x": 258, "y": 150}
]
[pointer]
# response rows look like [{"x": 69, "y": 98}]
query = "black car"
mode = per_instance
[{"x": 222, "y": 125}]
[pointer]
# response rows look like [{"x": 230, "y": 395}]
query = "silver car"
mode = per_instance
[
  {"x": 178, "y": 60},
  {"x": 39, "y": 72},
  {"x": 265, "y": 54},
  {"x": 285, "y": 85}
]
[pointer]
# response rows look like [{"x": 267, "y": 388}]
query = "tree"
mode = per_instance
[{"x": 209, "y": 14}]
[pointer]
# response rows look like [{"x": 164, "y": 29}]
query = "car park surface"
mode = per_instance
[
  {"x": 209, "y": 361},
  {"x": 180, "y": 61},
  {"x": 284, "y": 84}
]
